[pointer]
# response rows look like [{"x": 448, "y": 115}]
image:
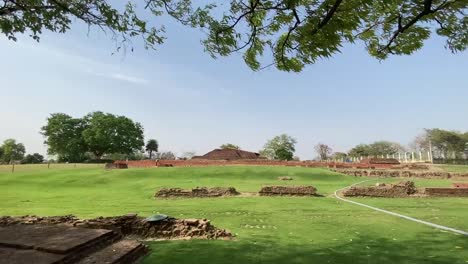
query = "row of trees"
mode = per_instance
[
  {"x": 442, "y": 143},
  {"x": 11, "y": 151}
]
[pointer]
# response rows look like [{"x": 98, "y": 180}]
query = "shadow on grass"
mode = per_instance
[{"x": 423, "y": 249}]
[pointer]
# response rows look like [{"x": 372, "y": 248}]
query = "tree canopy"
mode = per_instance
[
  {"x": 12, "y": 150},
  {"x": 281, "y": 147},
  {"x": 151, "y": 146},
  {"x": 444, "y": 143},
  {"x": 229, "y": 146},
  {"x": 323, "y": 150},
  {"x": 98, "y": 133},
  {"x": 287, "y": 34},
  {"x": 375, "y": 149},
  {"x": 33, "y": 159}
]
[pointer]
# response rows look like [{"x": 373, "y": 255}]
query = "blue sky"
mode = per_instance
[{"x": 191, "y": 102}]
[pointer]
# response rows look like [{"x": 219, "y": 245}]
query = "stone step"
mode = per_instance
[{"x": 121, "y": 252}]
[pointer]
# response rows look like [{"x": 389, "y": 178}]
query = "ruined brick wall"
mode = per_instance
[
  {"x": 288, "y": 190},
  {"x": 399, "y": 173},
  {"x": 196, "y": 192},
  {"x": 402, "y": 189},
  {"x": 446, "y": 192}
]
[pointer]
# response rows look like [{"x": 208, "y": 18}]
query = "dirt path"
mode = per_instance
[{"x": 396, "y": 214}]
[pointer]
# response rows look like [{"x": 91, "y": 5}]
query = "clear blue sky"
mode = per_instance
[{"x": 190, "y": 102}]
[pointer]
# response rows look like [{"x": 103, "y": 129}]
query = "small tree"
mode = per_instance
[
  {"x": 152, "y": 146},
  {"x": 35, "y": 158},
  {"x": 229, "y": 146},
  {"x": 12, "y": 151},
  {"x": 281, "y": 147},
  {"x": 323, "y": 151}
]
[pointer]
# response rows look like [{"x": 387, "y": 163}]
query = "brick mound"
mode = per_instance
[
  {"x": 411, "y": 166},
  {"x": 446, "y": 192},
  {"x": 131, "y": 226},
  {"x": 288, "y": 191},
  {"x": 197, "y": 192},
  {"x": 229, "y": 154},
  {"x": 460, "y": 185},
  {"x": 285, "y": 178},
  {"x": 380, "y": 161},
  {"x": 400, "y": 173},
  {"x": 402, "y": 189},
  {"x": 116, "y": 166}
]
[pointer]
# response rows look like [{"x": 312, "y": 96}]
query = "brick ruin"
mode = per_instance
[
  {"x": 198, "y": 192},
  {"x": 402, "y": 190},
  {"x": 205, "y": 162},
  {"x": 130, "y": 225},
  {"x": 400, "y": 173},
  {"x": 288, "y": 191}
]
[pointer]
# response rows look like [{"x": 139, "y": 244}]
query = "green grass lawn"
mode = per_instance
[{"x": 269, "y": 229}]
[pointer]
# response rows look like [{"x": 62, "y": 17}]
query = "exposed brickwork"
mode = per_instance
[
  {"x": 446, "y": 192},
  {"x": 399, "y": 173},
  {"x": 402, "y": 189},
  {"x": 288, "y": 191},
  {"x": 197, "y": 192},
  {"x": 460, "y": 185}
]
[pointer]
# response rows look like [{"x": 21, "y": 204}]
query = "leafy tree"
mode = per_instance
[
  {"x": 339, "y": 156},
  {"x": 229, "y": 146},
  {"x": 323, "y": 151},
  {"x": 445, "y": 142},
  {"x": 297, "y": 33},
  {"x": 152, "y": 146},
  {"x": 107, "y": 133},
  {"x": 379, "y": 148},
  {"x": 1, "y": 153},
  {"x": 12, "y": 151},
  {"x": 33, "y": 159},
  {"x": 361, "y": 150},
  {"x": 281, "y": 147},
  {"x": 64, "y": 137}
]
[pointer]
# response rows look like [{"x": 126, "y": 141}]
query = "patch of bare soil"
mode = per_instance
[
  {"x": 285, "y": 178},
  {"x": 196, "y": 192},
  {"x": 288, "y": 191},
  {"x": 131, "y": 225},
  {"x": 402, "y": 189}
]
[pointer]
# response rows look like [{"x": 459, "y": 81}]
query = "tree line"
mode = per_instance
[{"x": 100, "y": 137}]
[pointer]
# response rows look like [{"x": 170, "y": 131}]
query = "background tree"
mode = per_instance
[
  {"x": 166, "y": 155},
  {"x": 361, "y": 150},
  {"x": 107, "y": 133},
  {"x": 12, "y": 151},
  {"x": 151, "y": 146},
  {"x": 229, "y": 146},
  {"x": 296, "y": 33},
  {"x": 446, "y": 143},
  {"x": 384, "y": 148},
  {"x": 281, "y": 147},
  {"x": 323, "y": 151},
  {"x": 64, "y": 137},
  {"x": 339, "y": 156},
  {"x": 1, "y": 153},
  {"x": 35, "y": 158}
]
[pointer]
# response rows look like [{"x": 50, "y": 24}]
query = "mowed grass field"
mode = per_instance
[{"x": 268, "y": 229}]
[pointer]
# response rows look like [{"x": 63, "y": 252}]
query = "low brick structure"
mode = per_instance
[
  {"x": 399, "y": 173},
  {"x": 130, "y": 225},
  {"x": 446, "y": 192},
  {"x": 205, "y": 163},
  {"x": 288, "y": 191},
  {"x": 116, "y": 166},
  {"x": 198, "y": 192},
  {"x": 460, "y": 185},
  {"x": 380, "y": 161},
  {"x": 402, "y": 189}
]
